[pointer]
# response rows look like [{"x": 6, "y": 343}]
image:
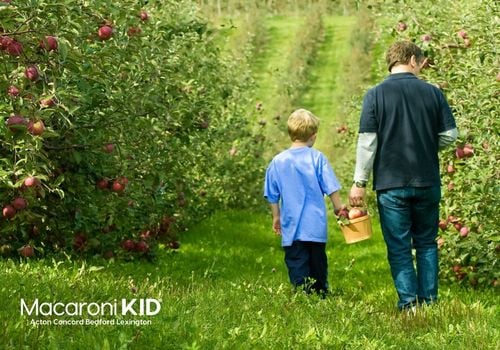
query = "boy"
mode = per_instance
[{"x": 299, "y": 177}]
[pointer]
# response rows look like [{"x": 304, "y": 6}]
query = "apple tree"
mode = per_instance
[{"x": 122, "y": 125}]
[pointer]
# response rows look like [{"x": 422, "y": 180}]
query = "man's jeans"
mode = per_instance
[{"x": 409, "y": 218}]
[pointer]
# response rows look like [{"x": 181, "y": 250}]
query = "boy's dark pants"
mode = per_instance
[{"x": 307, "y": 265}]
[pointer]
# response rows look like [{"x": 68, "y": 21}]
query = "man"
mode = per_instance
[{"x": 404, "y": 122}]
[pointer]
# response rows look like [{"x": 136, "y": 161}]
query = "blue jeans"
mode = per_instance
[{"x": 409, "y": 218}]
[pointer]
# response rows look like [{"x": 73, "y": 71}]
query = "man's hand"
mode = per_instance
[
  {"x": 277, "y": 225},
  {"x": 357, "y": 196}
]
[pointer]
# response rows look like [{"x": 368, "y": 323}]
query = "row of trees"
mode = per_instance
[{"x": 122, "y": 125}]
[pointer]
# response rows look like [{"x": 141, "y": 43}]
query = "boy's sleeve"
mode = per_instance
[
  {"x": 326, "y": 176},
  {"x": 271, "y": 187}
]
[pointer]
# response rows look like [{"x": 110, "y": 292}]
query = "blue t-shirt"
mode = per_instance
[
  {"x": 407, "y": 114},
  {"x": 299, "y": 178}
]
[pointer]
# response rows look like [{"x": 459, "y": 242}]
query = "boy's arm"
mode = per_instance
[
  {"x": 337, "y": 202},
  {"x": 276, "y": 218}
]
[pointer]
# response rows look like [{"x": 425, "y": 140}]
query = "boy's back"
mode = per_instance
[{"x": 300, "y": 177}]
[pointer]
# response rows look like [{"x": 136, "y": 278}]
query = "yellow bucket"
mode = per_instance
[{"x": 357, "y": 230}]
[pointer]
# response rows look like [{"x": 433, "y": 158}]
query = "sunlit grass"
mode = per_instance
[{"x": 227, "y": 287}]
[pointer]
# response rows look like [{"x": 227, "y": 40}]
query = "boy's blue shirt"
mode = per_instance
[{"x": 299, "y": 178}]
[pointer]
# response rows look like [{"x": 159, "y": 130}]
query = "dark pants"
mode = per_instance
[
  {"x": 409, "y": 218},
  {"x": 307, "y": 265}
]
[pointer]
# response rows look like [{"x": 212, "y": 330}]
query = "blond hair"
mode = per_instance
[
  {"x": 302, "y": 124},
  {"x": 400, "y": 53}
]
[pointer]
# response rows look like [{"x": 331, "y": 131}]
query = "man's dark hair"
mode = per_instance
[{"x": 401, "y": 52}]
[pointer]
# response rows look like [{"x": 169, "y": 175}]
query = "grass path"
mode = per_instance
[
  {"x": 272, "y": 59},
  {"x": 325, "y": 91}
]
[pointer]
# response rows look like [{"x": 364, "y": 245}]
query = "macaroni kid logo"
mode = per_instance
[{"x": 77, "y": 311}]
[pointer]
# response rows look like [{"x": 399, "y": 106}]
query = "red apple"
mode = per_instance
[
  {"x": 27, "y": 251},
  {"x": 452, "y": 219},
  {"x": 458, "y": 226},
  {"x": 117, "y": 186},
  {"x": 464, "y": 231},
  {"x": 36, "y": 128},
  {"x": 47, "y": 102},
  {"x": 31, "y": 181},
  {"x": 102, "y": 184},
  {"x": 443, "y": 224},
  {"x": 13, "y": 91},
  {"x": 49, "y": 43},
  {"x": 355, "y": 213},
  {"x": 459, "y": 152},
  {"x": 450, "y": 169},
  {"x": 9, "y": 211},
  {"x": 468, "y": 150},
  {"x": 31, "y": 73},
  {"x": 141, "y": 246},
  {"x": 128, "y": 244},
  {"x": 343, "y": 213},
  {"x": 109, "y": 147},
  {"x": 19, "y": 203},
  {"x": 15, "y": 122},
  {"x": 5, "y": 42},
  {"x": 457, "y": 268},
  {"x": 15, "y": 48},
  {"x": 105, "y": 32},
  {"x": 144, "y": 15},
  {"x": 123, "y": 180}
]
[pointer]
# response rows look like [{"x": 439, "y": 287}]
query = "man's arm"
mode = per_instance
[
  {"x": 365, "y": 157},
  {"x": 447, "y": 137}
]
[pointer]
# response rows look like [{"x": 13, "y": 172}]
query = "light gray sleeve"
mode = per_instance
[
  {"x": 365, "y": 155},
  {"x": 447, "y": 137}
]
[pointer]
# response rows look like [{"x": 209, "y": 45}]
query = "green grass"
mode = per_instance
[
  {"x": 324, "y": 95},
  {"x": 227, "y": 288},
  {"x": 270, "y": 64}
]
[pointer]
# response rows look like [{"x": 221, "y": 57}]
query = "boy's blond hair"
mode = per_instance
[{"x": 302, "y": 124}]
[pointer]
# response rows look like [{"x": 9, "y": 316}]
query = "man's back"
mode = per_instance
[{"x": 407, "y": 114}]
